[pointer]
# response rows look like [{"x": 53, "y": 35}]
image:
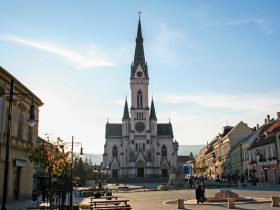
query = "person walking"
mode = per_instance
[{"x": 200, "y": 193}]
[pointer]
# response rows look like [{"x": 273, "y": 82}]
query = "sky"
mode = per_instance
[{"x": 211, "y": 63}]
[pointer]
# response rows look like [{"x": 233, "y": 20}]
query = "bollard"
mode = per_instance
[
  {"x": 231, "y": 203},
  {"x": 274, "y": 201},
  {"x": 180, "y": 203}
]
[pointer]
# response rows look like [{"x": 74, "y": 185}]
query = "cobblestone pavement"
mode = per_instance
[{"x": 150, "y": 200}]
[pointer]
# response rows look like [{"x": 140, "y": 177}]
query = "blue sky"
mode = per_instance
[{"x": 211, "y": 63}]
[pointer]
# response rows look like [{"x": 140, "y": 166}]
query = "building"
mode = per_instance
[
  {"x": 22, "y": 139},
  {"x": 140, "y": 147},
  {"x": 222, "y": 147},
  {"x": 263, "y": 151}
]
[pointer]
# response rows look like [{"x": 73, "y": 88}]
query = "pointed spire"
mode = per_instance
[
  {"x": 125, "y": 112},
  {"x": 153, "y": 112},
  {"x": 139, "y": 55}
]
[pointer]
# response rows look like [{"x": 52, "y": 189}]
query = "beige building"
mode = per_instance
[
  {"x": 222, "y": 147},
  {"x": 22, "y": 139}
]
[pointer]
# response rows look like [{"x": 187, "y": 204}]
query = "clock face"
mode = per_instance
[
  {"x": 140, "y": 126},
  {"x": 139, "y": 74}
]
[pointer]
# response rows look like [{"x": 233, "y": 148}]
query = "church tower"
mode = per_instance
[
  {"x": 139, "y": 147},
  {"x": 139, "y": 82}
]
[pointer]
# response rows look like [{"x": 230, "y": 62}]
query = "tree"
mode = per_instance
[
  {"x": 191, "y": 156},
  {"x": 52, "y": 158}
]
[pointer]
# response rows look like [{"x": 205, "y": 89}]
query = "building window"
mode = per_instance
[
  {"x": 20, "y": 126},
  {"x": 115, "y": 151},
  {"x": 164, "y": 151},
  {"x": 30, "y": 133},
  {"x": 136, "y": 147},
  {"x": 139, "y": 99}
]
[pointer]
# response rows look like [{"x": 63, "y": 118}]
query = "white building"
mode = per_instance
[{"x": 140, "y": 147}]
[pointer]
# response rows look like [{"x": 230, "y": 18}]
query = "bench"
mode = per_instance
[
  {"x": 124, "y": 189},
  {"x": 110, "y": 197},
  {"x": 96, "y": 204},
  {"x": 112, "y": 207}
]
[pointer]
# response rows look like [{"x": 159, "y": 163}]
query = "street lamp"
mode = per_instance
[
  {"x": 72, "y": 163},
  {"x": 32, "y": 122}
]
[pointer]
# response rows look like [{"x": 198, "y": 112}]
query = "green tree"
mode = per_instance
[{"x": 52, "y": 158}]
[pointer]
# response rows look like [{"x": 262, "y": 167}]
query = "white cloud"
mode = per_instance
[
  {"x": 262, "y": 23},
  {"x": 167, "y": 41},
  {"x": 92, "y": 59},
  {"x": 205, "y": 16},
  {"x": 258, "y": 102}
]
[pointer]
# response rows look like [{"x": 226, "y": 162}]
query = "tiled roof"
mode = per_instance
[{"x": 266, "y": 136}]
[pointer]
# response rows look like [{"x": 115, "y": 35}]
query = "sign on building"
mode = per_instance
[{"x": 187, "y": 169}]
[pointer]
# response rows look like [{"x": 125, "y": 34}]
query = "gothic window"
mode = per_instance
[
  {"x": 115, "y": 151},
  {"x": 136, "y": 147},
  {"x": 139, "y": 98},
  {"x": 164, "y": 151},
  {"x": 143, "y": 146}
]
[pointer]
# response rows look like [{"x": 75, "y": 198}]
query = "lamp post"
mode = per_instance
[
  {"x": 253, "y": 162},
  {"x": 32, "y": 122},
  {"x": 72, "y": 163}
]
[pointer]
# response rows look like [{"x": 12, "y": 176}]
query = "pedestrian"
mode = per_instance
[{"x": 200, "y": 193}]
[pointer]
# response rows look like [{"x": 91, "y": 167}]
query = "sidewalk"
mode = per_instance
[{"x": 159, "y": 199}]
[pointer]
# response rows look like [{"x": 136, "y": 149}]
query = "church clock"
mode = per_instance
[{"x": 140, "y": 126}]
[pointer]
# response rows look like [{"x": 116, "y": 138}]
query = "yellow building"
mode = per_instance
[{"x": 23, "y": 137}]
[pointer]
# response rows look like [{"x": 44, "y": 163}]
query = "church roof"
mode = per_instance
[
  {"x": 115, "y": 130},
  {"x": 165, "y": 129},
  {"x": 139, "y": 55}
]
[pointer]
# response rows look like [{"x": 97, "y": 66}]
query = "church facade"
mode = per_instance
[{"x": 139, "y": 147}]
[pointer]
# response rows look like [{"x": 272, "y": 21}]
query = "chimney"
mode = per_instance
[
  {"x": 258, "y": 126},
  {"x": 265, "y": 120},
  {"x": 278, "y": 115},
  {"x": 268, "y": 118}
]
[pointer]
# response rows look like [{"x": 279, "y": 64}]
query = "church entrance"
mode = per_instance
[
  {"x": 115, "y": 173},
  {"x": 164, "y": 173},
  {"x": 140, "y": 168},
  {"x": 140, "y": 172}
]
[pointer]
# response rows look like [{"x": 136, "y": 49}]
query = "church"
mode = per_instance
[{"x": 140, "y": 147}]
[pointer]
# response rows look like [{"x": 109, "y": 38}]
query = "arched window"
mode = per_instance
[
  {"x": 139, "y": 99},
  {"x": 115, "y": 151},
  {"x": 144, "y": 147},
  {"x": 136, "y": 147},
  {"x": 164, "y": 151}
]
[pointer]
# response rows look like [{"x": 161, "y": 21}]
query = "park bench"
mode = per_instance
[
  {"x": 124, "y": 189},
  {"x": 109, "y": 204}
]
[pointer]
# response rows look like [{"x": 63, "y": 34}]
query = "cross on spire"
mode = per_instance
[{"x": 139, "y": 15}]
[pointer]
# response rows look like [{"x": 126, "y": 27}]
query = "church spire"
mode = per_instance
[
  {"x": 139, "y": 55},
  {"x": 153, "y": 112},
  {"x": 125, "y": 112}
]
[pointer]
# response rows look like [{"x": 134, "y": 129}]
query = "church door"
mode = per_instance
[
  {"x": 164, "y": 173},
  {"x": 140, "y": 172},
  {"x": 115, "y": 173}
]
